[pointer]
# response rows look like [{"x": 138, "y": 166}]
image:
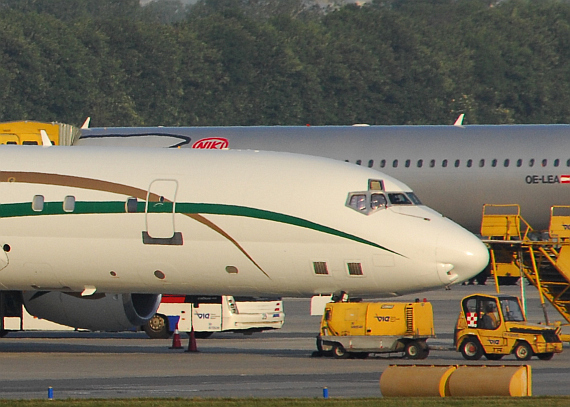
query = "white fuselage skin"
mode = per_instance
[
  {"x": 453, "y": 169},
  {"x": 245, "y": 222}
]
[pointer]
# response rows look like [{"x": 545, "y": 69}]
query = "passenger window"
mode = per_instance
[
  {"x": 69, "y": 203},
  {"x": 38, "y": 203},
  {"x": 556, "y": 162},
  {"x": 358, "y": 162},
  {"x": 481, "y": 163},
  {"x": 432, "y": 163},
  {"x": 370, "y": 163},
  {"x": 457, "y": 163},
  {"x": 408, "y": 162},
  {"x": 507, "y": 162},
  {"x": 395, "y": 163},
  {"x": 399, "y": 199},
  {"x": 444, "y": 163},
  {"x": 358, "y": 202},
  {"x": 377, "y": 201},
  {"x": 469, "y": 163},
  {"x": 544, "y": 162},
  {"x": 531, "y": 162},
  {"x": 420, "y": 163},
  {"x": 382, "y": 163},
  {"x": 519, "y": 162},
  {"x": 29, "y": 143},
  {"x": 131, "y": 205},
  {"x": 494, "y": 162}
]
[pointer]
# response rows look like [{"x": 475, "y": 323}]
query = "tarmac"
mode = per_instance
[{"x": 267, "y": 364}]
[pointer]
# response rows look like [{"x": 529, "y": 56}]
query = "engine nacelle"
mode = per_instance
[{"x": 99, "y": 312}]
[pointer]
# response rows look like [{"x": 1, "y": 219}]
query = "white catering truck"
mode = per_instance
[{"x": 209, "y": 314}]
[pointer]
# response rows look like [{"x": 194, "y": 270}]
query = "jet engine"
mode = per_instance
[{"x": 98, "y": 312}]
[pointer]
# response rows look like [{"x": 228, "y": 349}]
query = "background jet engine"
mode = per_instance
[{"x": 99, "y": 312}]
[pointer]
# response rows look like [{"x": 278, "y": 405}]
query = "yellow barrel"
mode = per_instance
[
  {"x": 491, "y": 381},
  {"x": 415, "y": 381}
]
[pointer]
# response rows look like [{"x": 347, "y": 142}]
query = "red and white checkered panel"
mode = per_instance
[{"x": 472, "y": 319}]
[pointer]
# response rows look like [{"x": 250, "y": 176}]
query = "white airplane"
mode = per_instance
[
  {"x": 95, "y": 221},
  {"x": 455, "y": 169}
]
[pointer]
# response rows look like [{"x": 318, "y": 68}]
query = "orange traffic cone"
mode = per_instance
[
  {"x": 192, "y": 342},
  {"x": 176, "y": 343}
]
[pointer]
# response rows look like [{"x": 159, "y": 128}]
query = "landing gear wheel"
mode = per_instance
[
  {"x": 471, "y": 349},
  {"x": 545, "y": 356},
  {"x": 494, "y": 356},
  {"x": 414, "y": 350},
  {"x": 339, "y": 352},
  {"x": 157, "y": 327},
  {"x": 523, "y": 351}
]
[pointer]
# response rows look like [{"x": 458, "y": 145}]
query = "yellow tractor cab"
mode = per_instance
[{"x": 494, "y": 326}]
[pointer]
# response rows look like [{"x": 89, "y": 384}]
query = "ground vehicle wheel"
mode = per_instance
[
  {"x": 157, "y": 327},
  {"x": 523, "y": 351},
  {"x": 425, "y": 353},
  {"x": 3, "y": 333},
  {"x": 471, "y": 349},
  {"x": 361, "y": 355},
  {"x": 494, "y": 356},
  {"x": 414, "y": 350},
  {"x": 339, "y": 352},
  {"x": 545, "y": 356}
]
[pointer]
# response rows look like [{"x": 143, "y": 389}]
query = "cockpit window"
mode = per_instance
[
  {"x": 399, "y": 199},
  {"x": 377, "y": 201},
  {"x": 358, "y": 202},
  {"x": 414, "y": 198}
]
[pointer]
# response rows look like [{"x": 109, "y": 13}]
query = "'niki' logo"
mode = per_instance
[{"x": 211, "y": 143}]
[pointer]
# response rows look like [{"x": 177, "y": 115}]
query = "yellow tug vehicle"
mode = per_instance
[
  {"x": 355, "y": 329},
  {"x": 494, "y": 326}
]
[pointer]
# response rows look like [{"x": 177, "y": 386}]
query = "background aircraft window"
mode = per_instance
[
  {"x": 544, "y": 162},
  {"x": 556, "y": 162},
  {"x": 519, "y": 162},
  {"x": 432, "y": 163},
  {"x": 399, "y": 199},
  {"x": 69, "y": 203},
  {"x": 358, "y": 162},
  {"x": 370, "y": 163},
  {"x": 494, "y": 162},
  {"x": 358, "y": 202},
  {"x": 377, "y": 201},
  {"x": 469, "y": 163},
  {"x": 457, "y": 163},
  {"x": 395, "y": 163},
  {"x": 531, "y": 162},
  {"x": 382, "y": 163},
  {"x": 420, "y": 163},
  {"x": 507, "y": 161},
  {"x": 408, "y": 162},
  {"x": 354, "y": 269},
  {"x": 482, "y": 162},
  {"x": 320, "y": 267},
  {"x": 568, "y": 163},
  {"x": 414, "y": 198},
  {"x": 444, "y": 163},
  {"x": 38, "y": 203}
]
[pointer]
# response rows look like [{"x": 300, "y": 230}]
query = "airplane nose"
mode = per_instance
[{"x": 460, "y": 255}]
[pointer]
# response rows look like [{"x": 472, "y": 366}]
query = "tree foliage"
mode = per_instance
[{"x": 260, "y": 62}]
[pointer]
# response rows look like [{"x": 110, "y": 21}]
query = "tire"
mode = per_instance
[
  {"x": 494, "y": 356},
  {"x": 425, "y": 353},
  {"x": 202, "y": 335},
  {"x": 3, "y": 333},
  {"x": 523, "y": 351},
  {"x": 157, "y": 327},
  {"x": 413, "y": 350},
  {"x": 339, "y": 352},
  {"x": 471, "y": 349},
  {"x": 545, "y": 356}
]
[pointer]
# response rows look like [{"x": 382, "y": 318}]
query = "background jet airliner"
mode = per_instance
[
  {"x": 91, "y": 221},
  {"x": 455, "y": 169}
]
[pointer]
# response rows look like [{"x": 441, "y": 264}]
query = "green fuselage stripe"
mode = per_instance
[{"x": 113, "y": 207}]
